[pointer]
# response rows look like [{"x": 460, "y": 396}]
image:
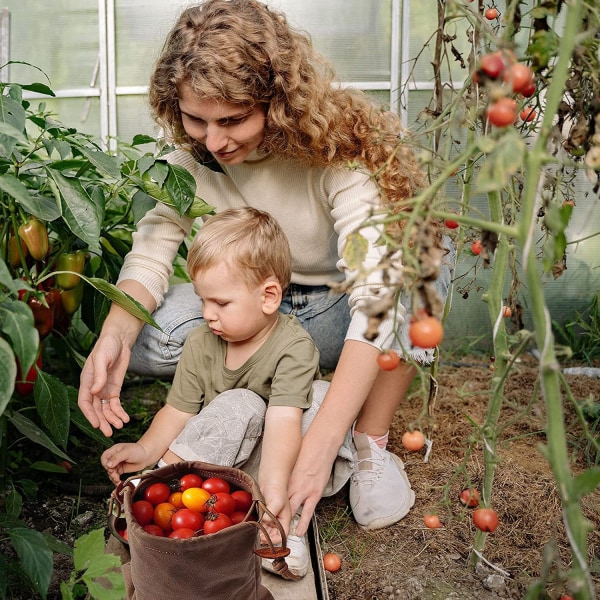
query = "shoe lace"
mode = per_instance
[{"x": 369, "y": 474}]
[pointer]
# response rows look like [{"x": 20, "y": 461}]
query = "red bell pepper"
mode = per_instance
[
  {"x": 24, "y": 387},
  {"x": 35, "y": 236}
]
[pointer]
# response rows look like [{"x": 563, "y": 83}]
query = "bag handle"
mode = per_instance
[{"x": 268, "y": 551}]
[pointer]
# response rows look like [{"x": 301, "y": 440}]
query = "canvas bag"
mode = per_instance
[{"x": 221, "y": 566}]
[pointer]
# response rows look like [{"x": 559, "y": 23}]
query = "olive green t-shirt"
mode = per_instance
[{"x": 281, "y": 371}]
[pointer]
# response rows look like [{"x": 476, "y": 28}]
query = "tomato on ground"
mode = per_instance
[
  {"x": 432, "y": 521},
  {"x": 332, "y": 562}
]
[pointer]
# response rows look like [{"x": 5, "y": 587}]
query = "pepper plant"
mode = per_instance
[{"x": 68, "y": 209}]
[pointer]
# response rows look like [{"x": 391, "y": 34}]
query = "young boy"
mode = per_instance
[{"x": 253, "y": 363}]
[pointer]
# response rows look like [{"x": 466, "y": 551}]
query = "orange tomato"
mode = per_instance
[
  {"x": 432, "y": 521},
  {"x": 413, "y": 440},
  {"x": 163, "y": 514},
  {"x": 332, "y": 562}
]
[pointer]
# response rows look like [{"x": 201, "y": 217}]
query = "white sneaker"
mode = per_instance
[
  {"x": 297, "y": 560},
  {"x": 380, "y": 493}
]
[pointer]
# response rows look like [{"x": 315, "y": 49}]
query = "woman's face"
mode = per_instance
[{"x": 230, "y": 132}]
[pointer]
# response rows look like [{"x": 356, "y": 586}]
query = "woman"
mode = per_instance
[{"x": 259, "y": 121}]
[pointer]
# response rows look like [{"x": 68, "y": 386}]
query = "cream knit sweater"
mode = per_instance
[{"x": 316, "y": 207}]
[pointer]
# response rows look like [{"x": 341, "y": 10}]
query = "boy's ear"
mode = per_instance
[{"x": 272, "y": 296}]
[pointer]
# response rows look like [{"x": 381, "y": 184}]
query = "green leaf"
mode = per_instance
[
  {"x": 30, "y": 430},
  {"x": 14, "y": 188},
  {"x": 109, "y": 165},
  {"x": 56, "y": 545},
  {"x": 89, "y": 554},
  {"x": 181, "y": 186},
  {"x": 52, "y": 403},
  {"x": 16, "y": 323},
  {"x": 142, "y": 139},
  {"x": 501, "y": 163},
  {"x": 113, "y": 293},
  {"x": 6, "y": 279},
  {"x": 586, "y": 482},
  {"x": 8, "y": 374},
  {"x": 14, "y": 503},
  {"x": 35, "y": 557},
  {"x": 47, "y": 467},
  {"x": 80, "y": 213},
  {"x": 38, "y": 88},
  {"x": 355, "y": 250}
]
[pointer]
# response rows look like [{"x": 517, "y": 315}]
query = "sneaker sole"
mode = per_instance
[{"x": 402, "y": 511}]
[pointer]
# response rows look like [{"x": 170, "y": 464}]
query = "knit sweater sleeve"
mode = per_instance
[{"x": 354, "y": 199}]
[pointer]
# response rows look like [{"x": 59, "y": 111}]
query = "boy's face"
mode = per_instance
[
  {"x": 229, "y": 131},
  {"x": 231, "y": 309}
]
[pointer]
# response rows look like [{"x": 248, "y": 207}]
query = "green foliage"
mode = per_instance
[
  {"x": 86, "y": 201},
  {"x": 582, "y": 333}
]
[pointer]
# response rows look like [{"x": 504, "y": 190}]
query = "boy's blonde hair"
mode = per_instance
[{"x": 247, "y": 239}]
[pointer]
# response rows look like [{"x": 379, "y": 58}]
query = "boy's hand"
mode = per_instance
[{"x": 123, "y": 458}]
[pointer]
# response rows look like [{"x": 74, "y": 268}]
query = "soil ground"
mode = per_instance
[{"x": 408, "y": 561}]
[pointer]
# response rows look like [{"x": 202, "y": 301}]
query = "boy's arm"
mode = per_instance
[{"x": 280, "y": 447}]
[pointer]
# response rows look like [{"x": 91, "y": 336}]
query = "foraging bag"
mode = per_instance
[{"x": 220, "y": 566}]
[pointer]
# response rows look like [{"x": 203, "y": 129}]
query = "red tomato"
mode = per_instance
[
  {"x": 388, "y": 360},
  {"x": 529, "y": 90},
  {"x": 470, "y": 497},
  {"x": 216, "y": 484},
  {"x": 163, "y": 514},
  {"x": 451, "y": 224},
  {"x": 503, "y": 112},
  {"x": 485, "y": 519},
  {"x": 182, "y": 533},
  {"x": 413, "y": 440},
  {"x": 157, "y": 493},
  {"x": 426, "y": 332},
  {"x": 432, "y": 521},
  {"x": 237, "y": 516},
  {"x": 527, "y": 114},
  {"x": 142, "y": 511},
  {"x": 153, "y": 529},
  {"x": 186, "y": 518},
  {"x": 519, "y": 77},
  {"x": 493, "y": 65},
  {"x": 189, "y": 481},
  {"x": 491, "y": 14},
  {"x": 243, "y": 500},
  {"x": 506, "y": 311},
  {"x": 222, "y": 502},
  {"x": 476, "y": 247},
  {"x": 216, "y": 522},
  {"x": 196, "y": 499},
  {"x": 332, "y": 562}
]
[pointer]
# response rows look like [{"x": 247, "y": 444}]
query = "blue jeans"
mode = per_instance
[{"x": 325, "y": 315}]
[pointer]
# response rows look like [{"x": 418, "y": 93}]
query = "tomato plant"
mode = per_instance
[
  {"x": 216, "y": 522},
  {"x": 413, "y": 440},
  {"x": 157, "y": 492},
  {"x": 503, "y": 112},
  {"x": 426, "y": 332},
  {"x": 332, "y": 562},
  {"x": 215, "y": 485},
  {"x": 388, "y": 360},
  {"x": 432, "y": 521},
  {"x": 196, "y": 499},
  {"x": 476, "y": 247},
  {"x": 470, "y": 497},
  {"x": 485, "y": 519},
  {"x": 143, "y": 511},
  {"x": 190, "y": 480}
]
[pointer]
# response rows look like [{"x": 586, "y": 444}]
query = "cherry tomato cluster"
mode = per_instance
[
  {"x": 190, "y": 506},
  {"x": 485, "y": 519},
  {"x": 515, "y": 78}
]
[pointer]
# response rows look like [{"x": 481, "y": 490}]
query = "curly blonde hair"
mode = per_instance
[{"x": 241, "y": 51}]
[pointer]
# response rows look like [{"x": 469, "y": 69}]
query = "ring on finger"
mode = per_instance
[{"x": 104, "y": 401}]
